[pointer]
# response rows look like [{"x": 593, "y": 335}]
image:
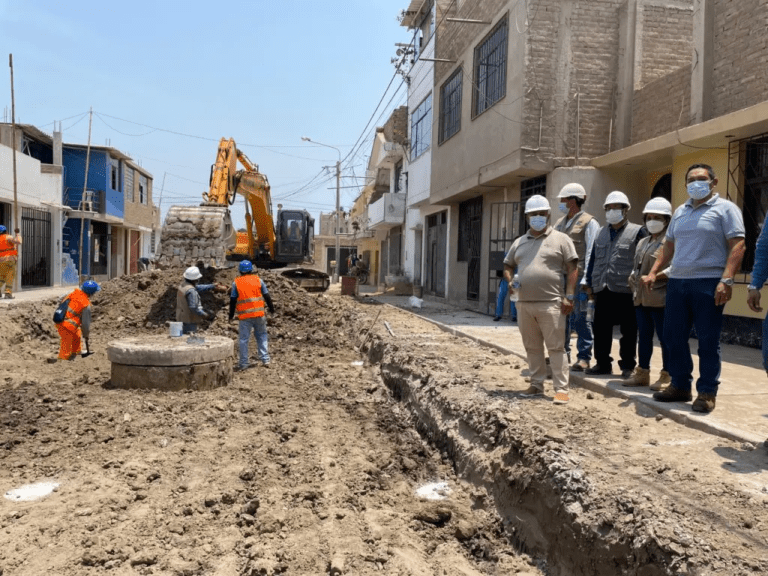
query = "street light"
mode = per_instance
[{"x": 338, "y": 207}]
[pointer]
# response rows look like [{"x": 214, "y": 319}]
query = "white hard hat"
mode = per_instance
[
  {"x": 192, "y": 273},
  {"x": 536, "y": 203},
  {"x": 617, "y": 198},
  {"x": 658, "y": 206},
  {"x": 572, "y": 189}
]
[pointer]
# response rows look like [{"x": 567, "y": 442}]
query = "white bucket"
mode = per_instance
[{"x": 176, "y": 329}]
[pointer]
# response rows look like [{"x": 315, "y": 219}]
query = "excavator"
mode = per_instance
[{"x": 205, "y": 234}]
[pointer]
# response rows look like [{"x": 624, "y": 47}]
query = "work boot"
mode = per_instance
[
  {"x": 496, "y": 318},
  {"x": 8, "y": 296},
  {"x": 640, "y": 377},
  {"x": 580, "y": 366},
  {"x": 626, "y": 373},
  {"x": 672, "y": 394},
  {"x": 663, "y": 381},
  {"x": 531, "y": 391},
  {"x": 704, "y": 403},
  {"x": 598, "y": 370}
]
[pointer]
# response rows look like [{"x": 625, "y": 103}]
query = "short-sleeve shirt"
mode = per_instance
[
  {"x": 541, "y": 262},
  {"x": 701, "y": 237}
]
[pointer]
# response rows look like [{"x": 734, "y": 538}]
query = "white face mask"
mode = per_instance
[
  {"x": 614, "y": 216},
  {"x": 655, "y": 226},
  {"x": 538, "y": 223},
  {"x": 563, "y": 207}
]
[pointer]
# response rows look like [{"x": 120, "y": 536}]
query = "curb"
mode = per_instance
[{"x": 687, "y": 418}]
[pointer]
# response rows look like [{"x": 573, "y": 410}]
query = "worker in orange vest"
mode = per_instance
[
  {"x": 249, "y": 294},
  {"x": 76, "y": 322},
  {"x": 9, "y": 255}
]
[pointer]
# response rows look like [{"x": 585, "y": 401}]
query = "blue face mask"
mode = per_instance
[
  {"x": 538, "y": 223},
  {"x": 699, "y": 189},
  {"x": 563, "y": 207}
]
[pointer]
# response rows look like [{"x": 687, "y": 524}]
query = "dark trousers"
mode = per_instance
[
  {"x": 612, "y": 308},
  {"x": 692, "y": 303},
  {"x": 649, "y": 318}
]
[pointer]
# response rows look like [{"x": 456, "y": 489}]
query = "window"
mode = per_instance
[
  {"x": 152, "y": 241},
  {"x": 491, "y": 69},
  {"x": 129, "y": 184},
  {"x": 450, "y": 106},
  {"x": 114, "y": 177},
  {"x": 421, "y": 128},
  {"x": 755, "y": 195},
  {"x": 399, "y": 177},
  {"x": 530, "y": 188},
  {"x": 143, "y": 189}
]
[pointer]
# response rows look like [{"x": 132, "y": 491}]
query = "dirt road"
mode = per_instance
[{"x": 308, "y": 467}]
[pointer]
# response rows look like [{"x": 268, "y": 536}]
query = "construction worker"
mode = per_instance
[
  {"x": 189, "y": 308},
  {"x": 77, "y": 321},
  {"x": 9, "y": 255},
  {"x": 249, "y": 293}
]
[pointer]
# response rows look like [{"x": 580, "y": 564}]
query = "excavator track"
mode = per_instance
[{"x": 195, "y": 234}]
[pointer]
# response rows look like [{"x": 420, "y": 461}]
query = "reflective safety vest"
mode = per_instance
[
  {"x": 78, "y": 301},
  {"x": 7, "y": 246},
  {"x": 250, "y": 302}
]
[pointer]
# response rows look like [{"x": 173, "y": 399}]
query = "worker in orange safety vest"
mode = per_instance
[
  {"x": 76, "y": 323},
  {"x": 248, "y": 296},
  {"x": 9, "y": 255}
]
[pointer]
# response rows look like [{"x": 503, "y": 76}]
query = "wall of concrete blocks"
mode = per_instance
[
  {"x": 664, "y": 40},
  {"x": 740, "y": 67},
  {"x": 662, "y": 105}
]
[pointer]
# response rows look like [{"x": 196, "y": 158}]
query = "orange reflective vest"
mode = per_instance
[
  {"x": 250, "y": 302},
  {"x": 78, "y": 301},
  {"x": 7, "y": 246}
]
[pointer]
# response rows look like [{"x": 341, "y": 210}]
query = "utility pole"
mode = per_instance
[
  {"x": 82, "y": 199},
  {"x": 338, "y": 221},
  {"x": 13, "y": 148}
]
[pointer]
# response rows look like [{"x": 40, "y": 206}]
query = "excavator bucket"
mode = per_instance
[{"x": 192, "y": 234}]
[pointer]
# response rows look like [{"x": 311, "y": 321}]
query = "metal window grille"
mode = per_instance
[
  {"x": 36, "y": 248},
  {"x": 491, "y": 69},
  {"x": 530, "y": 188},
  {"x": 752, "y": 171},
  {"x": 450, "y": 106},
  {"x": 468, "y": 210},
  {"x": 421, "y": 128}
]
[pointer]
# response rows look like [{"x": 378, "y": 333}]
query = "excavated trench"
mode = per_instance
[{"x": 535, "y": 482}]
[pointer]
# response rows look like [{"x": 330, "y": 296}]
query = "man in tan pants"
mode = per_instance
[
  {"x": 542, "y": 256},
  {"x": 9, "y": 255}
]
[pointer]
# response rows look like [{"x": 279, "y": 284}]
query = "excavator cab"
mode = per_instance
[{"x": 295, "y": 233}]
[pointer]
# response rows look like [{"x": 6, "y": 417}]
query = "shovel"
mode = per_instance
[{"x": 88, "y": 351}]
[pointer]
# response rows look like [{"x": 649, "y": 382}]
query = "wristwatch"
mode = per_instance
[
  {"x": 570, "y": 297},
  {"x": 727, "y": 281}
]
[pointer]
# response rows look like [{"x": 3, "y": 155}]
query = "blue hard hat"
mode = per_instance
[
  {"x": 245, "y": 267},
  {"x": 90, "y": 287},
  {"x": 3, "y": 229}
]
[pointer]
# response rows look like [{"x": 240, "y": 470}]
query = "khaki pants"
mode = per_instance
[
  {"x": 542, "y": 324},
  {"x": 7, "y": 273}
]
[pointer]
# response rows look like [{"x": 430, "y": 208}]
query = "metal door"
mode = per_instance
[
  {"x": 434, "y": 265},
  {"x": 36, "y": 247},
  {"x": 474, "y": 247},
  {"x": 504, "y": 228}
]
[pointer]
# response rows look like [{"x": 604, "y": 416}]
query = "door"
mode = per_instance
[
  {"x": 503, "y": 230},
  {"x": 135, "y": 242},
  {"x": 434, "y": 265},
  {"x": 470, "y": 231},
  {"x": 36, "y": 247},
  {"x": 384, "y": 269}
]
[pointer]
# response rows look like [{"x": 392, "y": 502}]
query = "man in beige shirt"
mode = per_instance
[{"x": 542, "y": 256}]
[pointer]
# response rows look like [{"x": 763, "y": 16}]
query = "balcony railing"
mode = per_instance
[
  {"x": 387, "y": 212},
  {"x": 91, "y": 201}
]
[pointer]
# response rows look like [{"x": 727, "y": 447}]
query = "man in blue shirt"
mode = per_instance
[
  {"x": 705, "y": 244},
  {"x": 759, "y": 276}
]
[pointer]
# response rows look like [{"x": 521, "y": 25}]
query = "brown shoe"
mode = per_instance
[
  {"x": 704, "y": 403},
  {"x": 531, "y": 392},
  {"x": 640, "y": 377},
  {"x": 663, "y": 381},
  {"x": 580, "y": 365},
  {"x": 672, "y": 394}
]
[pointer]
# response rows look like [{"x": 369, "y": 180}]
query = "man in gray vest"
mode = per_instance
[
  {"x": 189, "y": 308},
  {"x": 608, "y": 271},
  {"x": 582, "y": 229}
]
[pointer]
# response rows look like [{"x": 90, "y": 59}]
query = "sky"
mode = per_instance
[{"x": 167, "y": 79}]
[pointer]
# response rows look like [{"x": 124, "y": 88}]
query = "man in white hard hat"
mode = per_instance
[
  {"x": 541, "y": 257},
  {"x": 610, "y": 265},
  {"x": 189, "y": 308},
  {"x": 582, "y": 229},
  {"x": 705, "y": 244}
]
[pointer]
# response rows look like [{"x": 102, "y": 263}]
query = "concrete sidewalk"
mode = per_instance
[
  {"x": 742, "y": 402},
  {"x": 37, "y": 295}
]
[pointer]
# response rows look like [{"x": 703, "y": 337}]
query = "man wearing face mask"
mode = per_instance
[
  {"x": 705, "y": 244},
  {"x": 582, "y": 229},
  {"x": 541, "y": 257},
  {"x": 608, "y": 273}
]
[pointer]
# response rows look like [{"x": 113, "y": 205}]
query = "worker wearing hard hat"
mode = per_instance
[
  {"x": 189, "y": 308},
  {"x": 541, "y": 257},
  {"x": 610, "y": 265},
  {"x": 74, "y": 321},
  {"x": 9, "y": 255},
  {"x": 582, "y": 229},
  {"x": 650, "y": 300},
  {"x": 248, "y": 297}
]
